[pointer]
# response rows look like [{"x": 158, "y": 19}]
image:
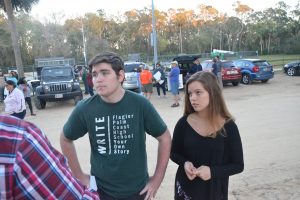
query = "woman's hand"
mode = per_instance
[
  {"x": 203, "y": 172},
  {"x": 190, "y": 170}
]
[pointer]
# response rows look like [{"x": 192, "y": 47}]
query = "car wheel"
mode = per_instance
[
  {"x": 235, "y": 83},
  {"x": 246, "y": 79},
  {"x": 291, "y": 71},
  {"x": 77, "y": 99},
  {"x": 39, "y": 104},
  {"x": 264, "y": 81}
]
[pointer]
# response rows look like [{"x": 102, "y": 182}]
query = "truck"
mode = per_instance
[{"x": 58, "y": 82}]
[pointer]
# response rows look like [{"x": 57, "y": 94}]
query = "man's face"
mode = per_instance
[
  {"x": 197, "y": 61},
  {"x": 105, "y": 80}
]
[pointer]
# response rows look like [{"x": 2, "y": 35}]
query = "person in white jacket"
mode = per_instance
[{"x": 15, "y": 100}]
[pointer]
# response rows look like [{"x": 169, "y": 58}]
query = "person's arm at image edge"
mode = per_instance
[{"x": 50, "y": 168}]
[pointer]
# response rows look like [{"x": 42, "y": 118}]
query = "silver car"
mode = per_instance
[{"x": 131, "y": 81}]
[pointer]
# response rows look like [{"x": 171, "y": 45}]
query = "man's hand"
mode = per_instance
[
  {"x": 151, "y": 188},
  {"x": 85, "y": 179},
  {"x": 190, "y": 170},
  {"x": 203, "y": 172}
]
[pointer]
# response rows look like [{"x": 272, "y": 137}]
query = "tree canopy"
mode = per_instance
[{"x": 273, "y": 30}]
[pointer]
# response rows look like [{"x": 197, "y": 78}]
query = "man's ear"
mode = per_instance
[{"x": 121, "y": 76}]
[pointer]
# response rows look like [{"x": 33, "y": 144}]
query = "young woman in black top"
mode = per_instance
[{"x": 206, "y": 142}]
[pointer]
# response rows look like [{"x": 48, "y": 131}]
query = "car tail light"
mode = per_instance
[{"x": 255, "y": 69}]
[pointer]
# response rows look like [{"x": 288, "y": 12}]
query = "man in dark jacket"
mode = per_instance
[
  {"x": 161, "y": 81},
  {"x": 196, "y": 67}
]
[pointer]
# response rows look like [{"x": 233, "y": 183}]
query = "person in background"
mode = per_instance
[
  {"x": 196, "y": 67},
  {"x": 89, "y": 81},
  {"x": 31, "y": 168},
  {"x": 161, "y": 82},
  {"x": 219, "y": 72},
  {"x": 2, "y": 86},
  {"x": 117, "y": 121},
  {"x": 26, "y": 89},
  {"x": 12, "y": 77},
  {"x": 206, "y": 142},
  {"x": 83, "y": 77},
  {"x": 138, "y": 74},
  {"x": 174, "y": 82},
  {"x": 146, "y": 81},
  {"x": 14, "y": 74},
  {"x": 15, "y": 101}
]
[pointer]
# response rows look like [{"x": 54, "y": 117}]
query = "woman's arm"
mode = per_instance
[{"x": 234, "y": 147}]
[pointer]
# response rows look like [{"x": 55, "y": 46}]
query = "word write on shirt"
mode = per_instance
[{"x": 113, "y": 134}]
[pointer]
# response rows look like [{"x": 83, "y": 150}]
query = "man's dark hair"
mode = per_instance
[
  {"x": 22, "y": 80},
  {"x": 114, "y": 59},
  {"x": 10, "y": 82}
]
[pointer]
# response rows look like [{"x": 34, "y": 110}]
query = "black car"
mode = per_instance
[
  {"x": 185, "y": 63},
  {"x": 292, "y": 68}
]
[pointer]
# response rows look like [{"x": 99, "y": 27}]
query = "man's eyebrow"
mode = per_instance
[{"x": 101, "y": 70}]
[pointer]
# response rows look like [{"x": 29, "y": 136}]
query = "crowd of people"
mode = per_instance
[
  {"x": 15, "y": 92},
  {"x": 206, "y": 143}
]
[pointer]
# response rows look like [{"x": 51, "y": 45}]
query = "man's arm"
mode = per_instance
[
  {"x": 68, "y": 149},
  {"x": 163, "y": 155}
]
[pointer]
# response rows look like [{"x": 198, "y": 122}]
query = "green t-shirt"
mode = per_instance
[{"x": 117, "y": 139}]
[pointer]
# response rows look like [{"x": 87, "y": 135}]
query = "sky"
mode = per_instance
[{"x": 76, "y": 8}]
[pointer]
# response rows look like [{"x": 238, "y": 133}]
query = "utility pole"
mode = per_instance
[
  {"x": 154, "y": 36},
  {"x": 83, "y": 40}
]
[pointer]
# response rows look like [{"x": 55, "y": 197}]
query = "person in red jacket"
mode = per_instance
[{"x": 146, "y": 81}]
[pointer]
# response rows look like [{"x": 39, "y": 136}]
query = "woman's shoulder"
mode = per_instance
[
  {"x": 182, "y": 120},
  {"x": 230, "y": 123}
]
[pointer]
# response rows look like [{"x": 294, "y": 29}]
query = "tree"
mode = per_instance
[{"x": 18, "y": 5}]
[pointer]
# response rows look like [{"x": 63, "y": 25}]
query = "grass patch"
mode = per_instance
[{"x": 278, "y": 61}]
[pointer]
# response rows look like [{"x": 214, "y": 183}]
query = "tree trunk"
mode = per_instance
[
  {"x": 269, "y": 42},
  {"x": 14, "y": 37}
]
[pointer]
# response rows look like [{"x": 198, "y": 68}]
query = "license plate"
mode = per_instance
[
  {"x": 232, "y": 72},
  {"x": 266, "y": 69},
  {"x": 59, "y": 96}
]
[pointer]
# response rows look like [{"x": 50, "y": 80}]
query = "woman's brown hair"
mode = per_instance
[{"x": 217, "y": 106}]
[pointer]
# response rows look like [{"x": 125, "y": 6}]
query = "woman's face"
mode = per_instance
[
  {"x": 9, "y": 87},
  {"x": 198, "y": 96}
]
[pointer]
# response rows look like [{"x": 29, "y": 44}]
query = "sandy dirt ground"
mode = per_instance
[{"x": 268, "y": 117}]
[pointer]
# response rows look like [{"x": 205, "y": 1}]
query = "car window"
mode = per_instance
[
  {"x": 227, "y": 64},
  {"x": 132, "y": 67},
  {"x": 261, "y": 63}
]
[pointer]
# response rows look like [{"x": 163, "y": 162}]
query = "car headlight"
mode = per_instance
[
  {"x": 69, "y": 85},
  {"x": 76, "y": 83},
  {"x": 47, "y": 87},
  {"x": 286, "y": 65}
]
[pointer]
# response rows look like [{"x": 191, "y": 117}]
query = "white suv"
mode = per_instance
[{"x": 131, "y": 81}]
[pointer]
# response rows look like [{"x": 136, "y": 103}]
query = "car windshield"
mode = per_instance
[
  {"x": 132, "y": 67},
  {"x": 227, "y": 64},
  {"x": 57, "y": 72}
]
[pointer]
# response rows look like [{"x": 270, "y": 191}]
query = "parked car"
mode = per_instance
[
  {"x": 292, "y": 68},
  {"x": 230, "y": 73},
  {"x": 131, "y": 81},
  {"x": 255, "y": 70}
]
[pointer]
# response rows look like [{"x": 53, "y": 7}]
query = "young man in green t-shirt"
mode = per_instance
[{"x": 116, "y": 121}]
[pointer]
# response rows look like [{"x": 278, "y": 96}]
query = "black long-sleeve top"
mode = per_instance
[{"x": 223, "y": 154}]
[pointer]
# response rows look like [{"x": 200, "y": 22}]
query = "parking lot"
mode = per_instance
[{"x": 268, "y": 117}]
